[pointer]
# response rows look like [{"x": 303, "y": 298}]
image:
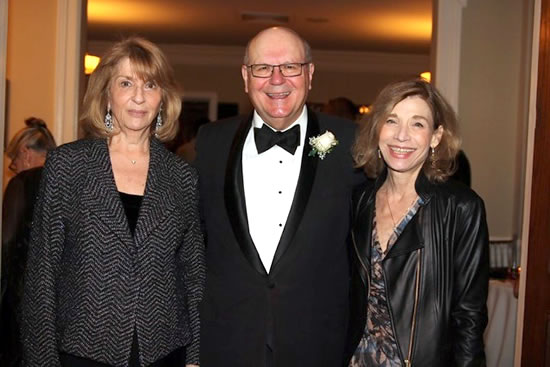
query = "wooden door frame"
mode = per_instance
[
  {"x": 3, "y": 96},
  {"x": 533, "y": 317},
  {"x": 528, "y": 181}
]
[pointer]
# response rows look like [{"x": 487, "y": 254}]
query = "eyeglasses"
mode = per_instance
[{"x": 287, "y": 70}]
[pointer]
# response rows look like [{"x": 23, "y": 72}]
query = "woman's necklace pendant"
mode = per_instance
[{"x": 133, "y": 161}]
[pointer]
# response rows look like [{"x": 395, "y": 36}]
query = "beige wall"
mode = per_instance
[
  {"x": 493, "y": 105},
  {"x": 30, "y": 62}
]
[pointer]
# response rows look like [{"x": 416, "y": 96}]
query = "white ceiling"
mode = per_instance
[{"x": 402, "y": 26}]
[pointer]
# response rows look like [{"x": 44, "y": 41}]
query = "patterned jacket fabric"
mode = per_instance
[{"x": 89, "y": 284}]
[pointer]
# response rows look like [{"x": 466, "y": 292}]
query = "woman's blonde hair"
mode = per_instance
[
  {"x": 150, "y": 64},
  {"x": 35, "y": 136},
  {"x": 436, "y": 168}
]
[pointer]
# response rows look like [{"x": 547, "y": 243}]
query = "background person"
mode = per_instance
[
  {"x": 463, "y": 172},
  {"x": 116, "y": 266},
  {"x": 187, "y": 149},
  {"x": 27, "y": 151},
  {"x": 420, "y": 244},
  {"x": 276, "y": 214},
  {"x": 341, "y": 106}
]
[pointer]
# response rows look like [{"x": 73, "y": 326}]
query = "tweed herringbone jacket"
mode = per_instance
[{"x": 89, "y": 284}]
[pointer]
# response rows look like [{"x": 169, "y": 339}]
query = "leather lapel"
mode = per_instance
[
  {"x": 159, "y": 199},
  {"x": 303, "y": 190},
  {"x": 235, "y": 200},
  {"x": 100, "y": 192},
  {"x": 410, "y": 239},
  {"x": 362, "y": 232},
  {"x": 363, "y": 217}
]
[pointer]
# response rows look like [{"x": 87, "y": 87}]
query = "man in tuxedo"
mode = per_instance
[{"x": 276, "y": 208}]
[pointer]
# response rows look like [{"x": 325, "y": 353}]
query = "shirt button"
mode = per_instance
[
  {"x": 271, "y": 285},
  {"x": 280, "y": 224},
  {"x": 280, "y": 161},
  {"x": 280, "y": 192}
]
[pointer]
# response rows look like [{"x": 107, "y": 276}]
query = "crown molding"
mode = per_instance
[{"x": 336, "y": 61}]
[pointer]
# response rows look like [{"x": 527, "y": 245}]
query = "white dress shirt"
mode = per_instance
[{"x": 269, "y": 181}]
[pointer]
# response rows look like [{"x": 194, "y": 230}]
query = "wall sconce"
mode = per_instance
[
  {"x": 90, "y": 63},
  {"x": 427, "y": 76},
  {"x": 363, "y": 110}
]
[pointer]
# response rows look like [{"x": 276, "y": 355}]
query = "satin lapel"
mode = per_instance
[
  {"x": 100, "y": 193},
  {"x": 235, "y": 200},
  {"x": 303, "y": 191},
  {"x": 159, "y": 198}
]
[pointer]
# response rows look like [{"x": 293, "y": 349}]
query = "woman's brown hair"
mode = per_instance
[
  {"x": 150, "y": 64},
  {"x": 436, "y": 168}
]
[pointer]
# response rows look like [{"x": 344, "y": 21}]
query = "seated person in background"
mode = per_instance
[
  {"x": 27, "y": 151},
  {"x": 341, "y": 106}
]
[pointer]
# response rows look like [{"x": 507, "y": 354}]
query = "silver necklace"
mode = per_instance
[{"x": 391, "y": 213}]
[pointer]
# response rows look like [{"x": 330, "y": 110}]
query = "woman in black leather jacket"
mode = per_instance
[{"x": 420, "y": 243}]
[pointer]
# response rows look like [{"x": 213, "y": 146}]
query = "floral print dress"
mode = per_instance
[{"x": 378, "y": 347}]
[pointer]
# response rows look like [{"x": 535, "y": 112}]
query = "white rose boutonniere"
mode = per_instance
[{"x": 323, "y": 144}]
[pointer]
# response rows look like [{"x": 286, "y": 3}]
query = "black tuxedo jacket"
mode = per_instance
[{"x": 300, "y": 308}]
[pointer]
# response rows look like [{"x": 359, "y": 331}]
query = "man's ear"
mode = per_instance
[
  {"x": 311, "y": 69},
  {"x": 244, "y": 73}
]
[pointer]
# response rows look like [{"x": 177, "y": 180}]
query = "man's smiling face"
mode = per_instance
[{"x": 278, "y": 99}]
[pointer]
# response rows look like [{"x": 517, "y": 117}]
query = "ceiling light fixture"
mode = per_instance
[{"x": 364, "y": 109}]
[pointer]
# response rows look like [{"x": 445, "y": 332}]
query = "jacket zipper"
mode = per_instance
[{"x": 408, "y": 361}]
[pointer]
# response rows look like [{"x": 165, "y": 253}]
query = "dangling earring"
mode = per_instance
[
  {"x": 434, "y": 159},
  {"x": 109, "y": 120},
  {"x": 379, "y": 154},
  {"x": 158, "y": 124}
]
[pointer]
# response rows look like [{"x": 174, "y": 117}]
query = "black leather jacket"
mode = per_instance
[{"x": 436, "y": 275}]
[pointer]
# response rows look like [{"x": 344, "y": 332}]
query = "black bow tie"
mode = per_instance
[{"x": 266, "y": 138}]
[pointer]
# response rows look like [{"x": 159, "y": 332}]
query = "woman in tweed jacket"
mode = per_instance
[{"x": 116, "y": 261}]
